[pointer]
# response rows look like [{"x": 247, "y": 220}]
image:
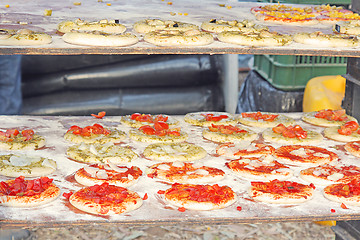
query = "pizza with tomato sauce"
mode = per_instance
[
  {"x": 244, "y": 149},
  {"x": 137, "y": 120},
  {"x": 105, "y": 199},
  {"x": 292, "y": 134},
  {"x": 121, "y": 176},
  {"x": 200, "y": 197},
  {"x": 328, "y": 174},
  {"x": 353, "y": 148},
  {"x": 264, "y": 119},
  {"x": 100, "y": 153},
  {"x": 180, "y": 172},
  {"x": 327, "y": 117},
  {"x": 28, "y": 193},
  {"x": 93, "y": 134},
  {"x": 281, "y": 192},
  {"x": 208, "y": 118},
  {"x": 264, "y": 168},
  {"x": 160, "y": 132},
  {"x": 299, "y": 155},
  {"x": 347, "y": 193},
  {"x": 170, "y": 152},
  {"x": 348, "y": 132},
  {"x": 15, "y": 139},
  {"x": 228, "y": 133}
]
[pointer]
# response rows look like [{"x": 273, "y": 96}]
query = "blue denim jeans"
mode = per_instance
[{"x": 10, "y": 84}]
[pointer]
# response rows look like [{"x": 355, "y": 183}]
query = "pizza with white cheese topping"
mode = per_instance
[{"x": 244, "y": 149}]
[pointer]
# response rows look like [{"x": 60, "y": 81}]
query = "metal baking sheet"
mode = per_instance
[
  {"x": 30, "y": 14},
  {"x": 155, "y": 211}
]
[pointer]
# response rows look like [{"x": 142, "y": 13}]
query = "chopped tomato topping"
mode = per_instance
[
  {"x": 21, "y": 187},
  {"x": 89, "y": 130},
  {"x": 10, "y": 134},
  {"x": 332, "y": 115},
  {"x": 67, "y": 195},
  {"x": 259, "y": 116},
  {"x": 348, "y": 128},
  {"x": 161, "y": 192},
  {"x": 212, "y": 117},
  {"x": 332, "y": 210},
  {"x": 181, "y": 209},
  {"x": 99, "y": 115},
  {"x": 344, "y": 206},
  {"x": 290, "y": 131},
  {"x": 161, "y": 118},
  {"x": 160, "y": 129},
  {"x": 145, "y": 196},
  {"x": 226, "y": 129},
  {"x": 142, "y": 117},
  {"x": 238, "y": 208}
]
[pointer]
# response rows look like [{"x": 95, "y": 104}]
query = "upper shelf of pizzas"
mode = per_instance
[
  {"x": 279, "y": 159},
  {"x": 324, "y": 26}
]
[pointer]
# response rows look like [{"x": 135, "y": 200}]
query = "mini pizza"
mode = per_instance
[
  {"x": 228, "y": 133},
  {"x": 100, "y": 39},
  {"x": 104, "y": 25},
  {"x": 281, "y": 192},
  {"x": 353, "y": 148},
  {"x": 14, "y": 139},
  {"x": 200, "y": 197},
  {"x": 218, "y": 26},
  {"x": 101, "y": 153},
  {"x": 244, "y": 149},
  {"x": 254, "y": 37},
  {"x": 137, "y": 120},
  {"x": 28, "y": 193},
  {"x": 170, "y": 152},
  {"x": 168, "y": 38},
  {"x": 208, "y": 118},
  {"x": 150, "y": 25},
  {"x": 180, "y": 172},
  {"x": 263, "y": 168},
  {"x": 347, "y": 27},
  {"x": 319, "y": 39},
  {"x": 327, "y": 117},
  {"x": 121, "y": 176},
  {"x": 292, "y": 134},
  {"x": 16, "y": 165},
  {"x": 299, "y": 155},
  {"x": 93, "y": 134},
  {"x": 160, "y": 132},
  {"x": 346, "y": 193},
  {"x": 329, "y": 174},
  {"x": 23, "y": 37},
  {"x": 264, "y": 119},
  {"x": 348, "y": 132},
  {"x": 105, "y": 199}
]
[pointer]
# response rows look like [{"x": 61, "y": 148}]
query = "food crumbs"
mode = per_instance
[
  {"x": 332, "y": 210},
  {"x": 228, "y": 7},
  {"x": 172, "y": 13},
  {"x": 47, "y": 12},
  {"x": 185, "y": 14},
  {"x": 238, "y": 208},
  {"x": 180, "y": 13},
  {"x": 169, "y": 3},
  {"x": 100, "y": 1},
  {"x": 344, "y": 206},
  {"x": 7, "y": 5},
  {"x": 161, "y": 192},
  {"x": 109, "y": 4},
  {"x": 145, "y": 196},
  {"x": 222, "y": 5},
  {"x": 67, "y": 195},
  {"x": 23, "y": 23},
  {"x": 77, "y": 3},
  {"x": 181, "y": 209}
]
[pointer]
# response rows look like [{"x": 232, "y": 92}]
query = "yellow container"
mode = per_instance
[{"x": 324, "y": 92}]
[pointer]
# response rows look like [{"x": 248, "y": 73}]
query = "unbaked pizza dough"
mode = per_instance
[
  {"x": 104, "y": 25},
  {"x": 150, "y": 25}
]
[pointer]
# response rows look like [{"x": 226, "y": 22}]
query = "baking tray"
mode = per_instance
[
  {"x": 154, "y": 211},
  {"x": 30, "y": 14}
]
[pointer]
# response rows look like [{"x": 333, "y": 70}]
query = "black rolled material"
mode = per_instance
[
  {"x": 179, "y": 100},
  {"x": 162, "y": 71}
]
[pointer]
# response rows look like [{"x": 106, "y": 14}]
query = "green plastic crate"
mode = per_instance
[
  {"x": 337, "y": 2},
  {"x": 288, "y": 72}
]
